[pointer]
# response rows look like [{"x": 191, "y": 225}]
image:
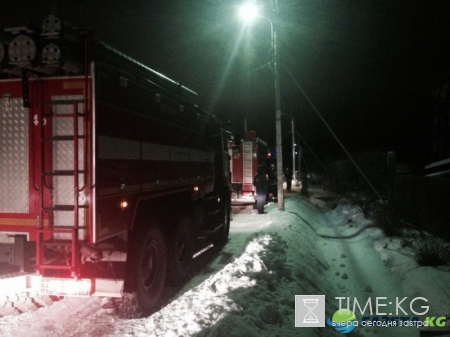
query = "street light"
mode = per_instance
[{"x": 248, "y": 13}]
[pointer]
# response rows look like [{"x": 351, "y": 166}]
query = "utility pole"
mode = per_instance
[
  {"x": 300, "y": 161},
  {"x": 280, "y": 196},
  {"x": 250, "y": 12},
  {"x": 293, "y": 147}
]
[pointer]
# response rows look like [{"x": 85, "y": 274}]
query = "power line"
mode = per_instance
[{"x": 334, "y": 135}]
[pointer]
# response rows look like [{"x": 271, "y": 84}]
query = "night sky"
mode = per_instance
[{"x": 368, "y": 66}]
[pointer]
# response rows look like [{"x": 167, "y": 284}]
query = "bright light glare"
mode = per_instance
[
  {"x": 67, "y": 287},
  {"x": 248, "y": 12}
]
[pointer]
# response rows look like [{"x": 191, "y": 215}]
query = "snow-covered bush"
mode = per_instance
[
  {"x": 365, "y": 200},
  {"x": 274, "y": 257},
  {"x": 430, "y": 251}
]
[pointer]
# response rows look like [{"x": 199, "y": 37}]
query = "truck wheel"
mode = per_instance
[
  {"x": 180, "y": 251},
  {"x": 225, "y": 212},
  {"x": 151, "y": 269}
]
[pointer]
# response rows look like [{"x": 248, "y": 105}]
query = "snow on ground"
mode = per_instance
[{"x": 249, "y": 289}]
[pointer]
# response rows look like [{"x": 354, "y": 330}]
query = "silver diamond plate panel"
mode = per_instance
[
  {"x": 66, "y": 219},
  {"x": 63, "y": 190},
  {"x": 248, "y": 163},
  {"x": 63, "y": 155},
  {"x": 64, "y": 126},
  {"x": 66, "y": 108},
  {"x": 13, "y": 156},
  {"x": 63, "y": 151}
]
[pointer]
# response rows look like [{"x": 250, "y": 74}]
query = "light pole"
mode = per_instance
[
  {"x": 299, "y": 174},
  {"x": 250, "y": 12},
  {"x": 293, "y": 148},
  {"x": 299, "y": 163},
  {"x": 293, "y": 143}
]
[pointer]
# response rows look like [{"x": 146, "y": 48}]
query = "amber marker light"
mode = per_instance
[{"x": 123, "y": 204}]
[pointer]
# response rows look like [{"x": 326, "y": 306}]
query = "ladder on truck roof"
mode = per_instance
[{"x": 63, "y": 173}]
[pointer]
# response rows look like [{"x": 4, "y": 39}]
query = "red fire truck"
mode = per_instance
[
  {"x": 109, "y": 170},
  {"x": 251, "y": 154}
]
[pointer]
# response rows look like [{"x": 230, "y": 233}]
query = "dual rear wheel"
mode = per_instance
[
  {"x": 181, "y": 245},
  {"x": 151, "y": 269},
  {"x": 166, "y": 259},
  {"x": 163, "y": 260}
]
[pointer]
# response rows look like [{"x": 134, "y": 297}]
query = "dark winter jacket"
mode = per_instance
[
  {"x": 261, "y": 183},
  {"x": 288, "y": 175}
]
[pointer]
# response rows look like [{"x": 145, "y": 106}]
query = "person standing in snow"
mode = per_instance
[
  {"x": 288, "y": 178},
  {"x": 261, "y": 183}
]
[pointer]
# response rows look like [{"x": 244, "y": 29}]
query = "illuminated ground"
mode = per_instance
[{"x": 248, "y": 288}]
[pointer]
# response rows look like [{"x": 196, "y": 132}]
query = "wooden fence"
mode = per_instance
[{"x": 422, "y": 201}]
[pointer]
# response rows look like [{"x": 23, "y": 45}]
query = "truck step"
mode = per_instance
[
  {"x": 56, "y": 266},
  {"x": 68, "y": 227},
  {"x": 54, "y": 242},
  {"x": 67, "y": 208},
  {"x": 63, "y": 173},
  {"x": 63, "y": 115},
  {"x": 62, "y": 138},
  {"x": 64, "y": 101},
  {"x": 58, "y": 229}
]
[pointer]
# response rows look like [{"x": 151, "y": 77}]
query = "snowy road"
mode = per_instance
[{"x": 248, "y": 288}]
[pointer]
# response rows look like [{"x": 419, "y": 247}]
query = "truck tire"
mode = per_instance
[
  {"x": 151, "y": 269},
  {"x": 180, "y": 249},
  {"x": 225, "y": 213}
]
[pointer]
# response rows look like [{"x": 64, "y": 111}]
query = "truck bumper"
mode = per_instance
[{"x": 61, "y": 286}]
